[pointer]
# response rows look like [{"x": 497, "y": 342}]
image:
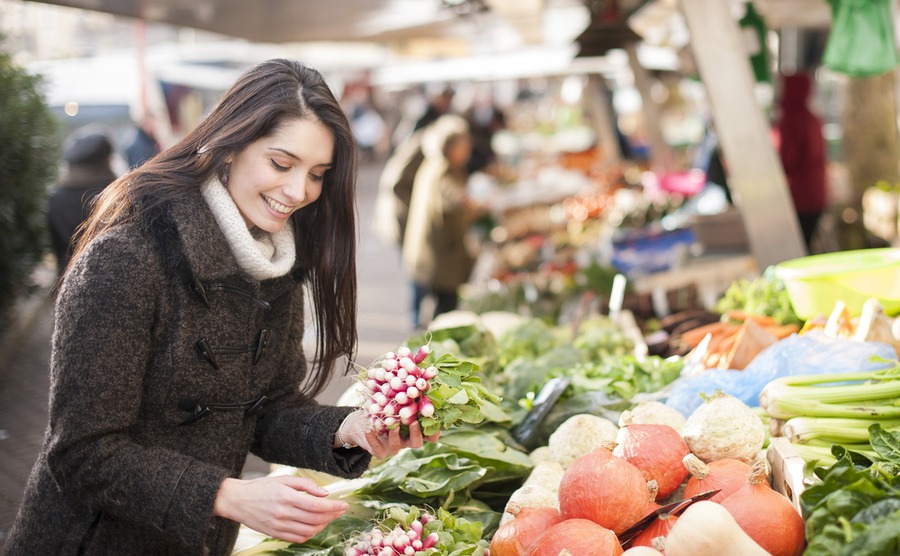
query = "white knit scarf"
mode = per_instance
[{"x": 261, "y": 254}]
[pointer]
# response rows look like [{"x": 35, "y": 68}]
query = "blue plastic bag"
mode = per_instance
[{"x": 812, "y": 353}]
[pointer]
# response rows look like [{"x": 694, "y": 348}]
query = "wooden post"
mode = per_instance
[
  {"x": 661, "y": 157},
  {"x": 755, "y": 175},
  {"x": 600, "y": 107}
]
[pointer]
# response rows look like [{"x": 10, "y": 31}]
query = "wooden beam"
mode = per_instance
[
  {"x": 755, "y": 175},
  {"x": 662, "y": 159},
  {"x": 599, "y": 104}
]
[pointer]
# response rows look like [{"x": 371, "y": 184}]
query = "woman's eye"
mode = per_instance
[
  {"x": 317, "y": 178},
  {"x": 279, "y": 167}
]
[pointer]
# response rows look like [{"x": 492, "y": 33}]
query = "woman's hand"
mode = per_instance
[
  {"x": 292, "y": 509},
  {"x": 357, "y": 429}
]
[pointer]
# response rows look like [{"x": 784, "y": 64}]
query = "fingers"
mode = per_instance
[
  {"x": 299, "y": 525},
  {"x": 304, "y": 484},
  {"x": 376, "y": 445},
  {"x": 384, "y": 444},
  {"x": 289, "y": 508},
  {"x": 415, "y": 435}
]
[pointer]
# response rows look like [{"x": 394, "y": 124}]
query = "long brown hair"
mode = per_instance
[{"x": 265, "y": 97}]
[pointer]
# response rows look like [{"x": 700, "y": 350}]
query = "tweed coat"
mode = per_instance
[{"x": 162, "y": 352}]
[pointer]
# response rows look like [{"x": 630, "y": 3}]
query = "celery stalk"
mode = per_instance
[
  {"x": 833, "y": 430},
  {"x": 815, "y": 455},
  {"x": 860, "y": 394}
]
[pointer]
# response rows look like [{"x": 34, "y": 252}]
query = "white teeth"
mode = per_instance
[{"x": 277, "y": 206}]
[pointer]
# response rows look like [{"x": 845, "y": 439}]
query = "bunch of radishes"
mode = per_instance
[
  {"x": 437, "y": 390},
  {"x": 397, "y": 388},
  {"x": 404, "y": 540}
]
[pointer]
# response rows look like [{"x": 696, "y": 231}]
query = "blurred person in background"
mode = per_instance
[
  {"x": 438, "y": 105},
  {"x": 801, "y": 146},
  {"x": 178, "y": 339},
  {"x": 484, "y": 121},
  {"x": 368, "y": 129},
  {"x": 395, "y": 186},
  {"x": 435, "y": 251},
  {"x": 143, "y": 144},
  {"x": 87, "y": 153}
]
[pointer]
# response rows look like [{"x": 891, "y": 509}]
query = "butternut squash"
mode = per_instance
[
  {"x": 642, "y": 551},
  {"x": 707, "y": 529}
]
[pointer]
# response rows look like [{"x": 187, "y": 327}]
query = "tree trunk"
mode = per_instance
[
  {"x": 871, "y": 148},
  {"x": 871, "y": 144}
]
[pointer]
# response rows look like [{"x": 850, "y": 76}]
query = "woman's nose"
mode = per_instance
[{"x": 296, "y": 189}]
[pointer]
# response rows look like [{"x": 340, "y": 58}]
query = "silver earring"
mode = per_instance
[{"x": 225, "y": 174}]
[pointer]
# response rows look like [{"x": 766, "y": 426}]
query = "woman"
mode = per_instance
[
  {"x": 178, "y": 338},
  {"x": 434, "y": 246}
]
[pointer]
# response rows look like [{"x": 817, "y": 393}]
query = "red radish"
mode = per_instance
[
  {"x": 605, "y": 489},
  {"x": 726, "y": 475},
  {"x": 421, "y": 354},
  {"x": 766, "y": 516},
  {"x": 580, "y": 537},
  {"x": 399, "y": 540},
  {"x": 397, "y": 386},
  {"x": 515, "y": 537},
  {"x": 657, "y": 450}
]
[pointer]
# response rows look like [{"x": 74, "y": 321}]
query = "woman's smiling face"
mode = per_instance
[{"x": 279, "y": 174}]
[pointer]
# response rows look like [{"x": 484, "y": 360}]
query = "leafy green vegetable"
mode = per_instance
[
  {"x": 448, "y": 473},
  {"x": 764, "y": 295},
  {"x": 530, "y": 339},
  {"x": 601, "y": 337},
  {"x": 471, "y": 341},
  {"x": 457, "y": 394},
  {"x": 529, "y": 374},
  {"x": 885, "y": 443},
  {"x": 855, "y": 509},
  {"x": 623, "y": 376}
]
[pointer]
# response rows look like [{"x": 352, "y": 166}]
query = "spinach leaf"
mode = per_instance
[{"x": 885, "y": 443}]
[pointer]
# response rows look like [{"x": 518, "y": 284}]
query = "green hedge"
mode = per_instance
[{"x": 29, "y": 160}]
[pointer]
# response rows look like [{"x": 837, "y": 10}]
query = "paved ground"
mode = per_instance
[{"x": 24, "y": 359}]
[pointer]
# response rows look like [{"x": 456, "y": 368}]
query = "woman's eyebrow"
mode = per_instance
[{"x": 295, "y": 157}]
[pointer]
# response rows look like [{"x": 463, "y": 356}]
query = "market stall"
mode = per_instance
[{"x": 545, "y": 424}]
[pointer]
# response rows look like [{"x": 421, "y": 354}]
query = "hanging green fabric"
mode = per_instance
[
  {"x": 754, "y": 29},
  {"x": 861, "y": 41}
]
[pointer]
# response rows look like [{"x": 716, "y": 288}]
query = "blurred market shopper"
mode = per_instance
[
  {"x": 438, "y": 105},
  {"x": 87, "y": 153},
  {"x": 802, "y": 150},
  {"x": 178, "y": 338},
  {"x": 395, "y": 185},
  {"x": 143, "y": 144},
  {"x": 435, "y": 252}
]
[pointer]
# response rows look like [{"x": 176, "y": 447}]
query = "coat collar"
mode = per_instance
[{"x": 194, "y": 246}]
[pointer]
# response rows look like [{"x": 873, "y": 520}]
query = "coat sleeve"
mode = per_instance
[
  {"x": 301, "y": 434},
  {"x": 295, "y": 430},
  {"x": 101, "y": 347}
]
